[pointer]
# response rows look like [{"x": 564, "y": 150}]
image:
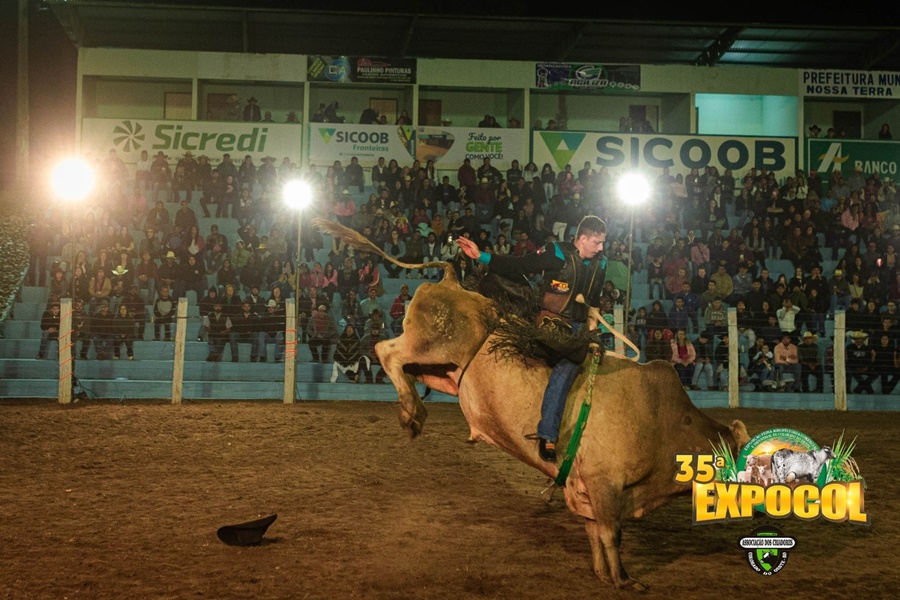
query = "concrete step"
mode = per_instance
[
  {"x": 30, "y": 368},
  {"x": 123, "y": 389}
]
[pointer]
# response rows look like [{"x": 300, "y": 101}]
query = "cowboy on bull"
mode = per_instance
[{"x": 569, "y": 269}]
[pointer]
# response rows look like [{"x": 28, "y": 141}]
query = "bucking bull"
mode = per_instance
[{"x": 640, "y": 418}]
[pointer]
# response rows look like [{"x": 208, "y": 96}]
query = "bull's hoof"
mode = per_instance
[{"x": 632, "y": 585}]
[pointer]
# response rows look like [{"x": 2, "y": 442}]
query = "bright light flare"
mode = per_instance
[
  {"x": 72, "y": 180},
  {"x": 633, "y": 188},
  {"x": 297, "y": 194}
]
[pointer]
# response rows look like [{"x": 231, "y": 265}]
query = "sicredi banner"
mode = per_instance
[
  {"x": 828, "y": 154},
  {"x": 329, "y": 142},
  {"x": 450, "y": 146},
  {"x": 129, "y": 137},
  {"x": 680, "y": 153}
]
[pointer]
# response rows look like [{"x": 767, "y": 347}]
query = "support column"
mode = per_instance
[
  {"x": 66, "y": 366},
  {"x": 290, "y": 352},
  {"x": 180, "y": 338}
]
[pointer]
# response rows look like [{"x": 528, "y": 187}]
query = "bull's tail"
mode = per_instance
[{"x": 360, "y": 242}]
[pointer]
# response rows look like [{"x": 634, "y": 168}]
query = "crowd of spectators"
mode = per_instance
[{"x": 705, "y": 243}]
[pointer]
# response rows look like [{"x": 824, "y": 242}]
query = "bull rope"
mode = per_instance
[{"x": 575, "y": 440}]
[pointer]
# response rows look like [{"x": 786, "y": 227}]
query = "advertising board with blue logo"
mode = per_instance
[
  {"x": 680, "y": 153},
  {"x": 360, "y": 69},
  {"x": 446, "y": 146}
]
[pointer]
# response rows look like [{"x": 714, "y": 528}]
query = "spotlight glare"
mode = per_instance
[{"x": 72, "y": 180}]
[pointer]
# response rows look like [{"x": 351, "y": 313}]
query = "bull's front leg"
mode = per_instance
[{"x": 412, "y": 409}]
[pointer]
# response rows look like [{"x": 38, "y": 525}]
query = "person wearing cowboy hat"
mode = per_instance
[
  {"x": 271, "y": 330},
  {"x": 859, "y": 364},
  {"x": 322, "y": 332},
  {"x": 814, "y": 131},
  {"x": 810, "y": 364},
  {"x": 252, "y": 112},
  {"x": 160, "y": 176}
]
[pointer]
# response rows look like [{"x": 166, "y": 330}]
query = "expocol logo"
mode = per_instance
[{"x": 128, "y": 136}]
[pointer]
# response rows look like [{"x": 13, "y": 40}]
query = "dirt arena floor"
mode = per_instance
[{"x": 105, "y": 501}]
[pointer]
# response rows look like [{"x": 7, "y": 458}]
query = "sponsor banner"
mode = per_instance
[
  {"x": 680, "y": 153},
  {"x": 590, "y": 77},
  {"x": 828, "y": 154},
  {"x": 849, "y": 83},
  {"x": 360, "y": 69},
  {"x": 329, "y": 142},
  {"x": 128, "y": 137},
  {"x": 449, "y": 146}
]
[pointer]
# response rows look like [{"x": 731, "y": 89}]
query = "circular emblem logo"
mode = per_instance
[
  {"x": 758, "y": 463},
  {"x": 767, "y": 549},
  {"x": 128, "y": 136}
]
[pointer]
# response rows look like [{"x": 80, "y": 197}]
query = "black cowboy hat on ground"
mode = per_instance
[{"x": 246, "y": 534}]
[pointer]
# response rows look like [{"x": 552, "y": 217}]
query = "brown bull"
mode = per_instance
[{"x": 640, "y": 418}]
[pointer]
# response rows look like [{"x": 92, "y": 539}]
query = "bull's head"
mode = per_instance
[{"x": 442, "y": 331}]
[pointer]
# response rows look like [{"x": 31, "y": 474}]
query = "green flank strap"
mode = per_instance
[{"x": 575, "y": 440}]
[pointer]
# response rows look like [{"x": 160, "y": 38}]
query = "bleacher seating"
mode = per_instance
[{"x": 150, "y": 375}]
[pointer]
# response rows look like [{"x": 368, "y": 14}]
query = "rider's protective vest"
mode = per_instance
[{"x": 575, "y": 277}]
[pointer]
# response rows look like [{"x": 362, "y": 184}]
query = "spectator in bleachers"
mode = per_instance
[
  {"x": 787, "y": 363},
  {"x": 703, "y": 365},
  {"x": 707, "y": 297},
  {"x": 371, "y": 302},
  {"x": 102, "y": 330},
  {"x": 682, "y": 357},
  {"x": 788, "y": 316},
  {"x": 396, "y": 248},
  {"x": 860, "y": 364},
  {"x": 871, "y": 318},
  {"x": 678, "y": 316},
  {"x": 244, "y": 329},
  {"x": 724, "y": 282},
  {"x": 252, "y": 272},
  {"x": 659, "y": 345},
  {"x": 810, "y": 363},
  {"x": 160, "y": 176},
  {"x": 321, "y": 331},
  {"x": 715, "y": 317},
  {"x": 854, "y": 316},
  {"x": 638, "y": 328},
  {"x": 271, "y": 330},
  {"x": 123, "y": 329},
  {"x": 157, "y": 219},
  {"x": 212, "y": 190},
  {"x": 691, "y": 303},
  {"x": 656, "y": 277},
  {"x": 99, "y": 288},
  {"x": 840, "y": 292},
  {"x": 49, "y": 329},
  {"x": 163, "y": 315},
  {"x": 886, "y": 362},
  {"x": 59, "y": 286}
]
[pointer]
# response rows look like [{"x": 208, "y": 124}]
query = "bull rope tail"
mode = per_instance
[{"x": 575, "y": 440}]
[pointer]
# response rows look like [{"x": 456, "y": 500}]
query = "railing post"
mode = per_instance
[
  {"x": 180, "y": 338},
  {"x": 839, "y": 377},
  {"x": 734, "y": 361},
  {"x": 290, "y": 351},
  {"x": 66, "y": 366}
]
